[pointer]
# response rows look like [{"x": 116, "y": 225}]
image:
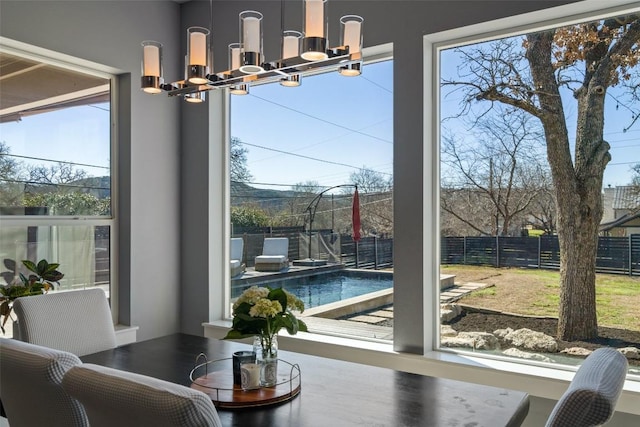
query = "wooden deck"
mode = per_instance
[{"x": 348, "y": 328}]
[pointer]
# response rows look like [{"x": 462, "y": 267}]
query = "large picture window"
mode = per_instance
[
  {"x": 299, "y": 156},
  {"x": 55, "y": 171},
  {"x": 539, "y": 190}
]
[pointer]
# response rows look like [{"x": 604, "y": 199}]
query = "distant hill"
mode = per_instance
[{"x": 270, "y": 200}]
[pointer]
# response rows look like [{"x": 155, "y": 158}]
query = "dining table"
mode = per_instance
[{"x": 326, "y": 392}]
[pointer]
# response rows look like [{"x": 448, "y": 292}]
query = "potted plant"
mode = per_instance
[{"x": 40, "y": 282}]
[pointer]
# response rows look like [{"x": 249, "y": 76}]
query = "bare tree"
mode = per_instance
[
  {"x": 11, "y": 188},
  {"x": 238, "y": 162},
  {"x": 55, "y": 177},
  {"x": 376, "y": 201},
  {"x": 297, "y": 206},
  {"x": 489, "y": 184},
  {"x": 542, "y": 214},
  {"x": 528, "y": 74}
]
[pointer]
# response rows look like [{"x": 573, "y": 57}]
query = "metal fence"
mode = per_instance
[
  {"x": 615, "y": 254},
  {"x": 369, "y": 252}
]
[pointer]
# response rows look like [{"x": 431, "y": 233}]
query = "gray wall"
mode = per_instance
[{"x": 110, "y": 33}]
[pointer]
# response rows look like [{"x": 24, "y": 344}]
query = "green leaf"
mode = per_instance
[
  {"x": 10, "y": 264},
  {"x": 42, "y": 267},
  {"x": 291, "y": 323},
  {"x": 52, "y": 276},
  {"x": 4, "y": 308},
  {"x": 30, "y": 265},
  {"x": 51, "y": 267},
  {"x": 279, "y": 295},
  {"x": 302, "y": 327}
]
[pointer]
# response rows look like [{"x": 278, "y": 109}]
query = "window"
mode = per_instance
[
  {"x": 501, "y": 233},
  {"x": 297, "y": 156},
  {"x": 55, "y": 170}
]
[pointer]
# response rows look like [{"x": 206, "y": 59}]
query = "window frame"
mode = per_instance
[
  {"x": 374, "y": 54},
  {"x": 86, "y": 67},
  {"x": 487, "y": 31}
]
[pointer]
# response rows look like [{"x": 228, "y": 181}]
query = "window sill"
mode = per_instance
[
  {"x": 538, "y": 381},
  {"x": 125, "y": 334}
]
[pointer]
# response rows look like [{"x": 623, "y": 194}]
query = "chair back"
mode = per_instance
[
  {"x": 31, "y": 386},
  {"x": 593, "y": 393},
  {"x": 116, "y": 398},
  {"x": 276, "y": 246},
  {"x": 77, "y": 321},
  {"x": 237, "y": 248}
]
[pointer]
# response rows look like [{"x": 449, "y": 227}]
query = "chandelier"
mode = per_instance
[{"x": 300, "y": 52}]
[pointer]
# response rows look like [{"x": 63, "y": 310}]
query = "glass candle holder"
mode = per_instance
[
  {"x": 151, "y": 76},
  {"x": 251, "y": 40},
  {"x": 235, "y": 56},
  {"x": 314, "y": 43},
  {"x": 351, "y": 32},
  {"x": 290, "y": 44},
  {"x": 198, "y": 48},
  {"x": 351, "y": 36}
]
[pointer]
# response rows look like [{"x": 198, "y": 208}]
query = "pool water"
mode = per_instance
[
  {"x": 327, "y": 288},
  {"x": 335, "y": 289}
]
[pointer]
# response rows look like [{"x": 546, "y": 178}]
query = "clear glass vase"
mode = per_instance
[{"x": 266, "y": 349}]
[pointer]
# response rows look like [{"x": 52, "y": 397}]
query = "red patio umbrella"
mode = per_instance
[{"x": 355, "y": 216}]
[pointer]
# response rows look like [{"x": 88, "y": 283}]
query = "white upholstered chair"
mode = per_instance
[
  {"x": 31, "y": 386},
  {"x": 593, "y": 393},
  {"x": 117, "y": 398},
  {"x": 275, "y": 254},
  {"x": 237, "y": 249},
  {"x": 77, "y": 321}
]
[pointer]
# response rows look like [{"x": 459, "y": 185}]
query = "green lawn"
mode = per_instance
[{"x": 536, "y": 292}]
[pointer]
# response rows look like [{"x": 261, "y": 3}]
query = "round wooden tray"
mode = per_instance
[{"x": 215, "y": 378}]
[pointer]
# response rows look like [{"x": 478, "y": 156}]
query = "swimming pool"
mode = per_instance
[{"x": 320, "y": 289}]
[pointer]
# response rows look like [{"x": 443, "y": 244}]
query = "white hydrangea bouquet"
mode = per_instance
[{"x": 263, "y": 312}]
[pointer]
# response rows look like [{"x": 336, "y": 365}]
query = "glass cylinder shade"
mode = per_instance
[
  {"x": 198, "y": 51},
  {"x": 151, "y": 66},
  {"x": 235, "y": 58},
  {"x": 235, "y": 55},
  {"x": 290, "y": 44},
  {"x": 351, "y": 36},
  {"x": 314, "y": 44},
  {"x": 351, "y": 32},
  {"x": 251, "y": 40}
]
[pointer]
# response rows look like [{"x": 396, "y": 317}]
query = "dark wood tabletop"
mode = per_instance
[{"x": 333, "y": 393}]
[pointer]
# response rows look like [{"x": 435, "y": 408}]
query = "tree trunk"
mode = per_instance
[
  {"x": 577, "y": 191},
  {"x": 578, "y": 246}
]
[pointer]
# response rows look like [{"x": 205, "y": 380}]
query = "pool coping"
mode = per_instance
[{"x": 349, "y": 306}]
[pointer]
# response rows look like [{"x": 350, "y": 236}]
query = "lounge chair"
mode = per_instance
[
  {"x": 275, "y": 254},
  {"x": 237, "y": 248}
]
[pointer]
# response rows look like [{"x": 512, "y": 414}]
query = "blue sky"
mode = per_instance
[
  {"x": 329, "y": 118},
  {"x": 76, "y": 134}
]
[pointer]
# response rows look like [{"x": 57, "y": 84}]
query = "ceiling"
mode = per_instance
[{"x": 28, "y": 86}]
